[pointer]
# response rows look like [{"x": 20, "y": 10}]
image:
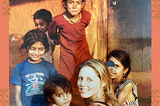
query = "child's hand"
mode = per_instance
[
  {"x": 56, "y": 41},
  {"x": 15, "y": 37}
]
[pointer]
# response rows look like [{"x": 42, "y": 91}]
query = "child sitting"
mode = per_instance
[{"x": 57, "y": 91}]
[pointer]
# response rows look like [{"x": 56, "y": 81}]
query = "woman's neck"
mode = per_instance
[
  {"x": 98, "y": 96},
  {"x": 101, "y": 98}
]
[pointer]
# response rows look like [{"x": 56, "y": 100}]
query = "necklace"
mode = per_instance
[
  {"x": 96, "y": 99},
  {"x": 73, "y": 21}
]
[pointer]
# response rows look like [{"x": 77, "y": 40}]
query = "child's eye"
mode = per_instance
[
  {"x": 59, "y": 95},
  {"x": 32, "y": 48},
  {"x": 115, "y": 66},
  {"x": 41, "y": 49},
  {"x": 79, "y": 3},
  {"x": 68, "y": 93},
  {"x": 41, "y": 24}
]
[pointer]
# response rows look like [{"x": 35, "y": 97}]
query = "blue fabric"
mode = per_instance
[{"x": 31, "y": 77}]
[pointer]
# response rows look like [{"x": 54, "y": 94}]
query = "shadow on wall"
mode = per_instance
[{"x": 18, "y": 2}]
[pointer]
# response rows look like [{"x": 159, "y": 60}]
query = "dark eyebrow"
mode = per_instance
[{"x": 58, "y": 93}]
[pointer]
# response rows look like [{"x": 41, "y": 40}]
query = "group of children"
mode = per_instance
[{"x": 36, "y": 80}]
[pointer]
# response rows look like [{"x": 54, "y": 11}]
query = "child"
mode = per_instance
[
  {"x": 57, "y": 91},
  {"x": 95, "y": 83},
  {"x": 125, "y": 90},
  {"x": 74, "y": 48},
  {"x": 30, "y": 75},
  {"x": 42, "y": 18}
]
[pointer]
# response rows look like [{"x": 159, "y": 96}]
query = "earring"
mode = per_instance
[{"x": 123, "y": 74}]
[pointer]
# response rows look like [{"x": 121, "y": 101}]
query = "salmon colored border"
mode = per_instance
[
  {"x": 4, "y": 52},
  {"x": 155, "y": 54}
]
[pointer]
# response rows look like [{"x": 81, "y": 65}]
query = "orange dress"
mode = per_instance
[{"x": 74, "y": 48}]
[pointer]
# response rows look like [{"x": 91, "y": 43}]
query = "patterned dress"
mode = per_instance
[{"x": 134, "y": 90}]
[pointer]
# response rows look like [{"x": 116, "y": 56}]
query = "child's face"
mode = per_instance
[
  {"x": 74, "y": 7},
  {"x": 88, "y": 83},
  {"x": 118, "y": 70},
  {"x": 35, "y": 52},
  {"x": 62, "y": 98},
  {"x": 41, "y": 25}
]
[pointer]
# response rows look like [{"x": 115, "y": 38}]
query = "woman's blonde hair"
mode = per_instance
[{"x": 102, "y": 72}]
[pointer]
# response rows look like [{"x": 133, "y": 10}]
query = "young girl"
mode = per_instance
[
  {"x": 42, "y": 18},
  {"x": 74, "y": 48},
  {"x": 94, "y": 83},
  {"x": 125, "y": 90},
  {"x": 57, "y": 91},
  {"x": 30, "y": 75}
]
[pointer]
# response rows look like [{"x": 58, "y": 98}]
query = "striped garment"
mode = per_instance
[{"x": 134, "y": 89}]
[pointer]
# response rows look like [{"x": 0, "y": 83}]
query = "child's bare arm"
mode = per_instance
[
  {"x": 18, "y": 95},
  {"x": 124, "y": 93}
]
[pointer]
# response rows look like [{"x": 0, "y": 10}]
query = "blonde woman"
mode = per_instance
[{"x": 95, "y": 84}]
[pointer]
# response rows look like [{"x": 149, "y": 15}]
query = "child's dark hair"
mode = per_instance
[
  {"x": 32, "y": 37},
  {"x": 44, "y": 15},
  {"x": 50, "y": 86},
  {"x": 123, "y": 57}
]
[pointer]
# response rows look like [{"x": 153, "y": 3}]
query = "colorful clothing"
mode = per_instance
[
  {"x": 74, "y": 48},
  {"x": 31, "y": 77},
  {"x": 134, "y": 90}
]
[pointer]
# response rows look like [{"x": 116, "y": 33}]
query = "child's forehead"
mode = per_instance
[
  {"x": 60, "y": 90},
  {"x": 39, "y": 20},
  {"x": 37, "y": 43}
]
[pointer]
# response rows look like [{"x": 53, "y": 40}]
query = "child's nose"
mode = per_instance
[
  {"x": 38, "y": 27},
  {"x": 36, "y": 51},
  {"x": 74, "y": 5},
  {"x": 65, "y": 96}
]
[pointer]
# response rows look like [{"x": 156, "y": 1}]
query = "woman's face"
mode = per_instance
[
  {"x": 74, "y": 7},
  {"x": 88, "y": 83},
  {"x": 118, "y": 70}
]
